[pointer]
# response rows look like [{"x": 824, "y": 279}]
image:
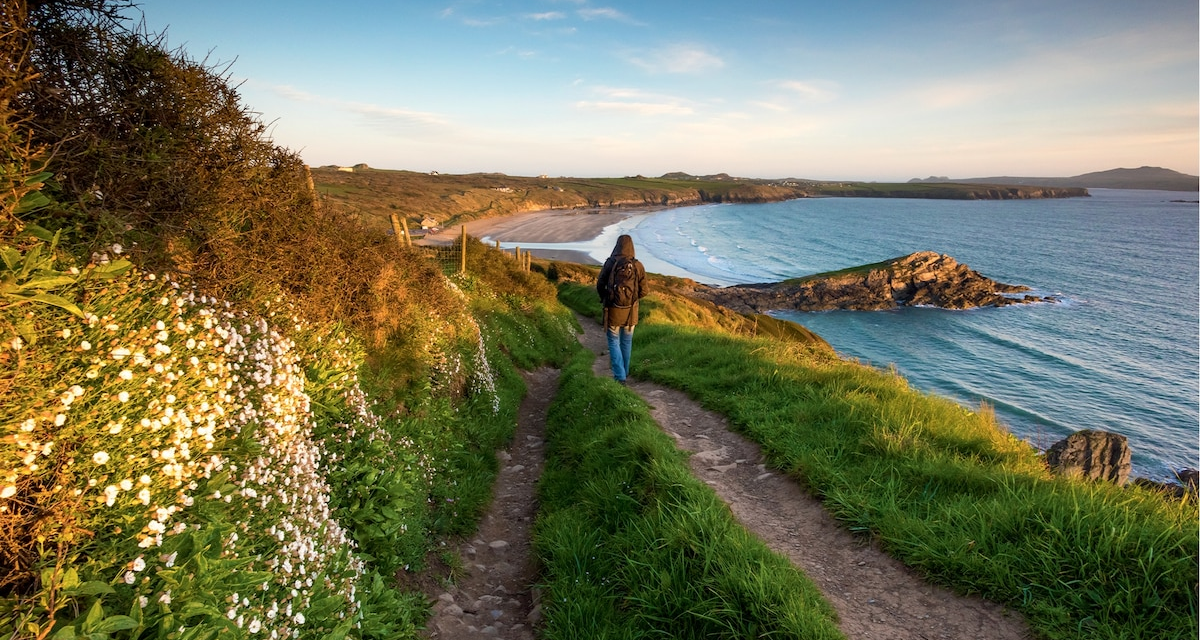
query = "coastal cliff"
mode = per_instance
[
  {"x": 924, "y": 278},
  {"x": 372, "y": 195}
]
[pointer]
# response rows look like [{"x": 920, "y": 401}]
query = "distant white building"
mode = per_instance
[
  {"x": 346, "y": 169},
  {"x": 428, "y": 223}
]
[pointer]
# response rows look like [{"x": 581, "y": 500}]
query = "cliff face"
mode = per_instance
[{"x": 924, "y": 278}]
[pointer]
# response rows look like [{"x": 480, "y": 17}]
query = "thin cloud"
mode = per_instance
[
  {"x": 682, "y": 59},
  {"x": 808, "y": 91},
  {"x": 605, "y": 13},
  {"x": 392, "y": 118},
  {"x": 549, "y": 15},
  {"x": 524, "y": 54},
  {"x": 638, "y": 108},
  {"x": 397, "y": 118},
  {"x": 292, "y": 93},
  {"x": 770, "y": 106},
  {"x": 477, "y": 22}
]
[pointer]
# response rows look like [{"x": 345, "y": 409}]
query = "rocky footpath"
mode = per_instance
[{"x": 925, "y": 278}]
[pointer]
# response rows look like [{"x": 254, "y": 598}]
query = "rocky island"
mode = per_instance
[{"x": 925, "y": 278}]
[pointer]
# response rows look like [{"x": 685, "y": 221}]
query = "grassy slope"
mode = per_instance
[{"x": 945, "y": 489}]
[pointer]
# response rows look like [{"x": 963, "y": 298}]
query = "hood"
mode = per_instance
[{"x": 624, "y": 247}]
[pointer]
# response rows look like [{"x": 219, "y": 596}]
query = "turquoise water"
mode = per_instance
[{"x": 1121, "y": 352}]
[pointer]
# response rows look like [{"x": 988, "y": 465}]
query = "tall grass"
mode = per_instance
[
  {"x": 634, "y": 546},
  {"x": 945, "y": 489}
]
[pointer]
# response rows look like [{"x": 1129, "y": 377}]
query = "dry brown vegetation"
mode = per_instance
[
  {"x": 371, "y": 195},
  {"x": 151, "y": 149}
]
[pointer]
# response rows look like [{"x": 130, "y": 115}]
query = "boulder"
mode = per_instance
[
  {"x": 1189, "y": 478},
  {"x": 1093, "y": 455}
]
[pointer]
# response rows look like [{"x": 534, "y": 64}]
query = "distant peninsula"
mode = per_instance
[
  {"x": 1140, "y": 178},
  {"x": 925, "y": 278},
  {"x": 436, "y": 199}
]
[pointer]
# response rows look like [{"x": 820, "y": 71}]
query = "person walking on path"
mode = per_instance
[{"x": 621, "y": 284}]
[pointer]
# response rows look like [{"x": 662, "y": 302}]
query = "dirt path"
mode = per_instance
[
  {"x": 493, "y": 596},
  {"x": 876, "y": 597}
]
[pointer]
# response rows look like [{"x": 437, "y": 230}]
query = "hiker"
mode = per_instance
[{"x": 621, "y": 284}]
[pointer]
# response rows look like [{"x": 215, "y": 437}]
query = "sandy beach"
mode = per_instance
[{"x": 553, "y": 226}]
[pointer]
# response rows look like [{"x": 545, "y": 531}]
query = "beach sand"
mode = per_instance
[{"x": 541, "y": 227}]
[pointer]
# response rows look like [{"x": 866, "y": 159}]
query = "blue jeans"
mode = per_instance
[{"x": 620, "y": 345}]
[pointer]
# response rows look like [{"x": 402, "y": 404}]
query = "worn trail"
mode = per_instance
[
  {"x": 493, "y": 597},
  {"x": 875, "y": 596}
]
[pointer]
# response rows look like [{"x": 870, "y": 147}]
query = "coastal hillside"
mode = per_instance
[
  {"x": 373, "y": 195},
  {"x": 1140, "y": 178},
  {"x": 229, "y": 411}
]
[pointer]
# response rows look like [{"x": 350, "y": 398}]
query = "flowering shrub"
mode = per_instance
[{"x": 163, "y": 468}]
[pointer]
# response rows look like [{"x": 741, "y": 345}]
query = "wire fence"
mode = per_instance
[{"x": 452, "y": 258}]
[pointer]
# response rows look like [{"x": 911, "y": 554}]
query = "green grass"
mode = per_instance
[
  {"x": 946, "y": 490},
  {"x": 634, "y": 546}
]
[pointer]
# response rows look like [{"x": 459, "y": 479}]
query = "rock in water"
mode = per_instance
[
  {"x": 1093, "y": 455},
  {"x": 923, "y": 278}
]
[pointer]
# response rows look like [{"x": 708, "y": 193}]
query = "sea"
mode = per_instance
[{"x": 1119, "y": 351}]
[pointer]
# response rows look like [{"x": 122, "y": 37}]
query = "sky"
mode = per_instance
[{"x": 832, "y": 90}]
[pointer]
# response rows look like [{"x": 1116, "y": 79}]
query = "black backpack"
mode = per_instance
[{"x": 622, "y": 283}]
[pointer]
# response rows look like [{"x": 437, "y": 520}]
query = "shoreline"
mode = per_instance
[{"x": 567, "y": 235}]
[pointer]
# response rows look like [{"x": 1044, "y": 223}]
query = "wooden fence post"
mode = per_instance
[
  {"x": 407, "y": 235},
  {"x": 463, "y": 270},
  {"x": 396, "y": 231}
]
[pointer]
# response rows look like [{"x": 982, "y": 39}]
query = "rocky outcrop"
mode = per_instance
[
  {"x": 925, "y": 278},
  {"x": 1095, "y": 455}
]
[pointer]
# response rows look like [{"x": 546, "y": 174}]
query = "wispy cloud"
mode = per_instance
[
  {"x": 685, "y": 59},
  {"x": 601, "y": 12},
  {"x": 638, "y": 108},
  {"x": 549, "y": 15},
  {"x": 524, "y": 54},
  {"x": 482, "y": 22},
  {"x": 636, "y": 101},
  {"x": 770, "y": 106},
  {"x": 959, "y": 94},
  {"x": 809, "y": 91},
  {"x": 393, "y": 119}
]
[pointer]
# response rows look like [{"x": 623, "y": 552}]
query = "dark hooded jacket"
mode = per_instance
[{"x": 617, "y": 316}]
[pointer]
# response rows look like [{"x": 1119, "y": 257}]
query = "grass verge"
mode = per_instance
[
  {"x": 945, "y": 489},
  {"x": 633, "y": 546}
]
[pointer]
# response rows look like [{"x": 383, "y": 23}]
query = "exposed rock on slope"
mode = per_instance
[{"x": 923, "y": 278}]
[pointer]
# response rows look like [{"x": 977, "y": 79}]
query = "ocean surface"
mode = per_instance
[{"x": 1120, "y": 352}]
